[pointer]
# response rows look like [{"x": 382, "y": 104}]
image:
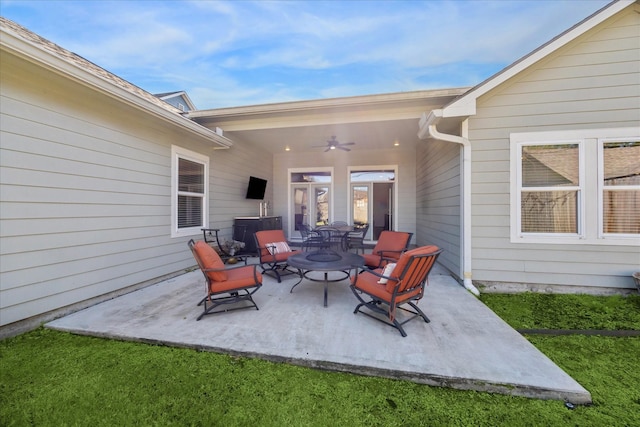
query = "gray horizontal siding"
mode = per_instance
[
  {"x": 85, "y": 189},
  {"x": 438, "y": 195},
  {"x": 594, "y": 82}
]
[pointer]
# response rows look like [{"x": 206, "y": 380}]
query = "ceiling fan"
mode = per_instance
[{"x": 333, "y": 143}]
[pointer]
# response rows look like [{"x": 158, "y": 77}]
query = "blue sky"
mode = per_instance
[{"x": 231, "y": 53}]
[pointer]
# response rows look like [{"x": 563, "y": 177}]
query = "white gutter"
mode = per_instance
[{"x": 428, "y": 130}]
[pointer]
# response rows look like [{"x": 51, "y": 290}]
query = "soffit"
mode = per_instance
[{"x": 373, "y": 122}]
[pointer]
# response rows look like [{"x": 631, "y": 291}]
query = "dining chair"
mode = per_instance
[
  {"x": 310, "y": 238},
  {"x": 355, "y": 238}
]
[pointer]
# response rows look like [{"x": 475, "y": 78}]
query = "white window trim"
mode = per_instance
[
  {"x": 177, "y": 153},
  {"x": 601, "y": 189},
  {"x": 590, "y": 200},
  {"x": 290, "y": 185},
  {"x": 516, "y": 234}
]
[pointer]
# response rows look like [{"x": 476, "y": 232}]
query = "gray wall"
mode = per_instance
[
  {"x": 438, "y": 197},
  {"x": 85, "y": 196},
  {"x": 591, "y": 83}
]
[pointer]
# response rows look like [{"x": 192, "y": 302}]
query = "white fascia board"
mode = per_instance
[
  {"x": 465, "y": 105},
  {"x": 31, "y": 52}
]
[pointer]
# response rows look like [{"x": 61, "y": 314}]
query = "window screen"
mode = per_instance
[
  {"x": 550, "y": 188},
  {"x": 621, "y": 187},
  {"x": 190, "y": 193}
]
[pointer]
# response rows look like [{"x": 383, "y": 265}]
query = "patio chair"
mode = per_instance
[
  {"x": 310, "y": 238},
  {"x": 388, "y": 290},
  {"x": 391, "y": 244},
  {"x": 274, "y": 251},
  {"x": 334, "y": 238},
  {"x": 355, "y": 239},
  {"x": 210, "y": 236},
  {"x": 224, "y": 286}
]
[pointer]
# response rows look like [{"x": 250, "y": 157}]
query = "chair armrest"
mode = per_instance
[
  {"x": 360, "y": 270},
  {"x": 382, "y": 253},
  {"x": 212, "y": 233},
  {"x": 252, "y": 266}
]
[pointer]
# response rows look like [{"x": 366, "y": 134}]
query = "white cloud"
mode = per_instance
[{"x": 228, "y": 53}]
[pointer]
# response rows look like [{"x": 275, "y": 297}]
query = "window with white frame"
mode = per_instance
[
  {"x": 619, "y": 180},
  {"x": 580, "y": 187},
  {"x": 189, "y": 189},
  {"x": 550, "y": 188}
]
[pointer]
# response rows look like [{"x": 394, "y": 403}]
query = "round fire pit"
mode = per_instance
[{"x": 324, "y": 256}]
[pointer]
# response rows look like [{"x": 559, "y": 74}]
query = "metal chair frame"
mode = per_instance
[
  {"x": 414, "y": 276},
  {"x": 355, "y": 239},
  {"x": 210, "y": 235},
  {"x": 225, "y": 295},
  {"x": 273, "y": 265}
]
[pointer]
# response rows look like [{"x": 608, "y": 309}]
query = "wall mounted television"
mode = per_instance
[{"x": 256, "y": 188}]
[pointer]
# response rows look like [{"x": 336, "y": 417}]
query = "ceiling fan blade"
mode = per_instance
[
  {"x": 348, "y": 143},
  {"x": 342, "y": 148},
  {"x": 328, "y": 149}
]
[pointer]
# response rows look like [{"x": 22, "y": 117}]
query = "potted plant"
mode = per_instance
[{"x": 232, "y": 246}]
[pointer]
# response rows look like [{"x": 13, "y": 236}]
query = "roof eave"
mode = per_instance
[
  {"x": 30, "y": 51},
  {"x": 465, "y": 105},
  {"x": 327, "y": 103}
]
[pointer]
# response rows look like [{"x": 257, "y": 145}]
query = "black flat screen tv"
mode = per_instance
[{"x": 256, "y": 188}]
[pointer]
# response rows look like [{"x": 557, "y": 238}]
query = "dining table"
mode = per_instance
[{"x": 337, "y": 235}]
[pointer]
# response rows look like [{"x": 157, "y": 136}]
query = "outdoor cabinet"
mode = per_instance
[{"x": 245, "y": 226}]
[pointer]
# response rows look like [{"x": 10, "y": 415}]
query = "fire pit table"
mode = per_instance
[{"x": 325, "y": 261}]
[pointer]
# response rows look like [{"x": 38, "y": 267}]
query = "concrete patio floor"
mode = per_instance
[{"x": 465, "y": 346}]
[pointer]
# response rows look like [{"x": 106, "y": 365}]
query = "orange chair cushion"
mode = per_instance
[
  {"x": 237, "y": 278},
  {"x": 265, "y": 237},
  {"x": 210, "y": 259},
  {"x": 368, "y": 283},
  {"x": 371, "y": 260},
  {"x": 393, "y": 241},
  {"x": 402, "y": 263},
  {"x": 268, "y": 237}
]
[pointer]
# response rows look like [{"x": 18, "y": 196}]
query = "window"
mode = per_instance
[
  {"x": 550, "y": 188},
  {"x": 580, "y": 187},
  {"x": 620, "y": 187},
  {"x": 190, "y": 182}
]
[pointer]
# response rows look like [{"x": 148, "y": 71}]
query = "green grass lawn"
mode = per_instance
[{"x": 51, "y": 378}]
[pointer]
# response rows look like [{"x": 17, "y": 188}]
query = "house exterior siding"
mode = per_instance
[
  {"x": 438, "y": 210},
  {"x": 591, "y": 83},
  {"x": 86, "y": 192}
]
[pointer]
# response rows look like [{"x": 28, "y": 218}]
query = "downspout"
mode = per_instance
[{"x": 428, "y": 129}]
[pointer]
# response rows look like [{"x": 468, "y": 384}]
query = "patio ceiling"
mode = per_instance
[{"x": 372, "y": 122}]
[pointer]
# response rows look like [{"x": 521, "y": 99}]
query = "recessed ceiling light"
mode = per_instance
[{"x": 396, "y": 143}]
